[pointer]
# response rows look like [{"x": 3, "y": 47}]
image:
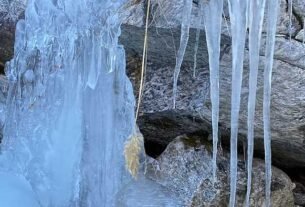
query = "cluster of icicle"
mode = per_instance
[
  {"x": 244, "y": 14},
  {"x": 70, "y": 107}
]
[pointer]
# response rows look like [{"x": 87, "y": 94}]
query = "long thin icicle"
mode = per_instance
[
  {"x": 290, "y": 18},
  {"x": 200, "y": 5},
  {"x": 213, "y": 19},
  {"x": 196, "y": 51},
  {"x": 238, "y": 18},
  {"x": 256, "y": 16},
  {"x": 304, "y": 32},
  {"x": 270, "y": 42},
  {"x": 185, "y": 28}
]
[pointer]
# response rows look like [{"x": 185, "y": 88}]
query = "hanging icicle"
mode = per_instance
[
  {"x": 304, "y": 32},
  {"x": 213, "y": 20},
  {"x": 238, "y": 18},
  {"x": 290, "y": 19},
  {"x": 196, "y": 51},
  {"x": 185, "y": 28},
  {"x": 200, "y": 6},
  {"x": 272, "y": 14},
  {"x": 256, "y": 16}
]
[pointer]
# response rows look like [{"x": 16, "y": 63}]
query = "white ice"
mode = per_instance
[
  {"x": 185, "y": 28},
  {"x": 238, "y": 18},
  {"x": 256, "y": 16},
  {"x": 199, "y": 21},
  {"x": 15, "y": 191},
  {"x": 70, "y": 105},
  {"x": 272, "y": 14},
  {"x": 213, "y": 20}
]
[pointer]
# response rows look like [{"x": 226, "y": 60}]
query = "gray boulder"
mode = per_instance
[{"x": 185, "y": 167}]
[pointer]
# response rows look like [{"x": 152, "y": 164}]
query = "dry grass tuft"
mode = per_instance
[
  {"x": 135, "y": 143},
  {"x": 132, "y": 151}
]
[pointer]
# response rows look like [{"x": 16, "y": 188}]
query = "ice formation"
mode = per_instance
[
  {"x": 290, "y": 3},
  {"x": 272, "y": 13},
  {"x": 213, "y": 19},
  {"x": 70, "y": 105},
  {"x": 185, "y": 28},
  {"x": 200, "y": 18},
  {"x": 256, "y": 16},
  {"x": 304, "y": 32},
  {"x": 238, "y": 18}
]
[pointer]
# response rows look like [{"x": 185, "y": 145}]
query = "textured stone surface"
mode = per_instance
[
  {"x": 288, "y": 83},
  {"x": 10, "y": 12},
  {"x": 185, "y": 167}
]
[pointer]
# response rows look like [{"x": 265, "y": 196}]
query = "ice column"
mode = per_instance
[
  {"x": 213, "y": 19},
  {"x": 272, "y": 13},
  {"x": 200, "y": 8},
  {"x": 256, "y": 16},
  {"x": 185, "y": 28},
  {"x": 238, "y": 18}
]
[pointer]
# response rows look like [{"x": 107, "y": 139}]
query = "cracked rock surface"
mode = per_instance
[{"x": 172, "y": 171}]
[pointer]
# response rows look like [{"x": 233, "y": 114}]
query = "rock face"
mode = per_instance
[
  {"x": 288, "y": 83},
  {"x": 185, "y": 167},
  {"x": 10, "y": 13}
]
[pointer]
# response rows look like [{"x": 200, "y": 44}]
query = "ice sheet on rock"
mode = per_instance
[
  {"x": 238, "y": 18},
  {"x": 213, "y": 19},
  {"x": 146, "y": 193},
  {"x": 272, "y": 14},
  {"x": 256, "y": 16},
  {"x": 185, "y": 28}
]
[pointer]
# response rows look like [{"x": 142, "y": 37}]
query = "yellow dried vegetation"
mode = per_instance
[
  {"x": 132, "y": 150},
  {"x": 135, "y": 143}
]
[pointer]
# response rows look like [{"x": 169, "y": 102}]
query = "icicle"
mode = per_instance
[
  {"x": 197, "y": 37},
  {"x": 238, "y": 17},
  {"x": 290, "y": 18},
  {"x": 272, "y": 14},
  {"x": 213, "y": 19},
  {"x": 304, "y": 32},
  {"x": 195, "y": 52},
  {"x": 256, "y": 16},
  {"x": 185, "y": 28}
]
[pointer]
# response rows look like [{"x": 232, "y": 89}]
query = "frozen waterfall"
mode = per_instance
[{"x": 70, "y": 105}]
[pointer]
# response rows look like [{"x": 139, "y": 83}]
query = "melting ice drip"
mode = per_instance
[
  {"x": 70, "y": 106},
  {"x": 243, "y": 14}
]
